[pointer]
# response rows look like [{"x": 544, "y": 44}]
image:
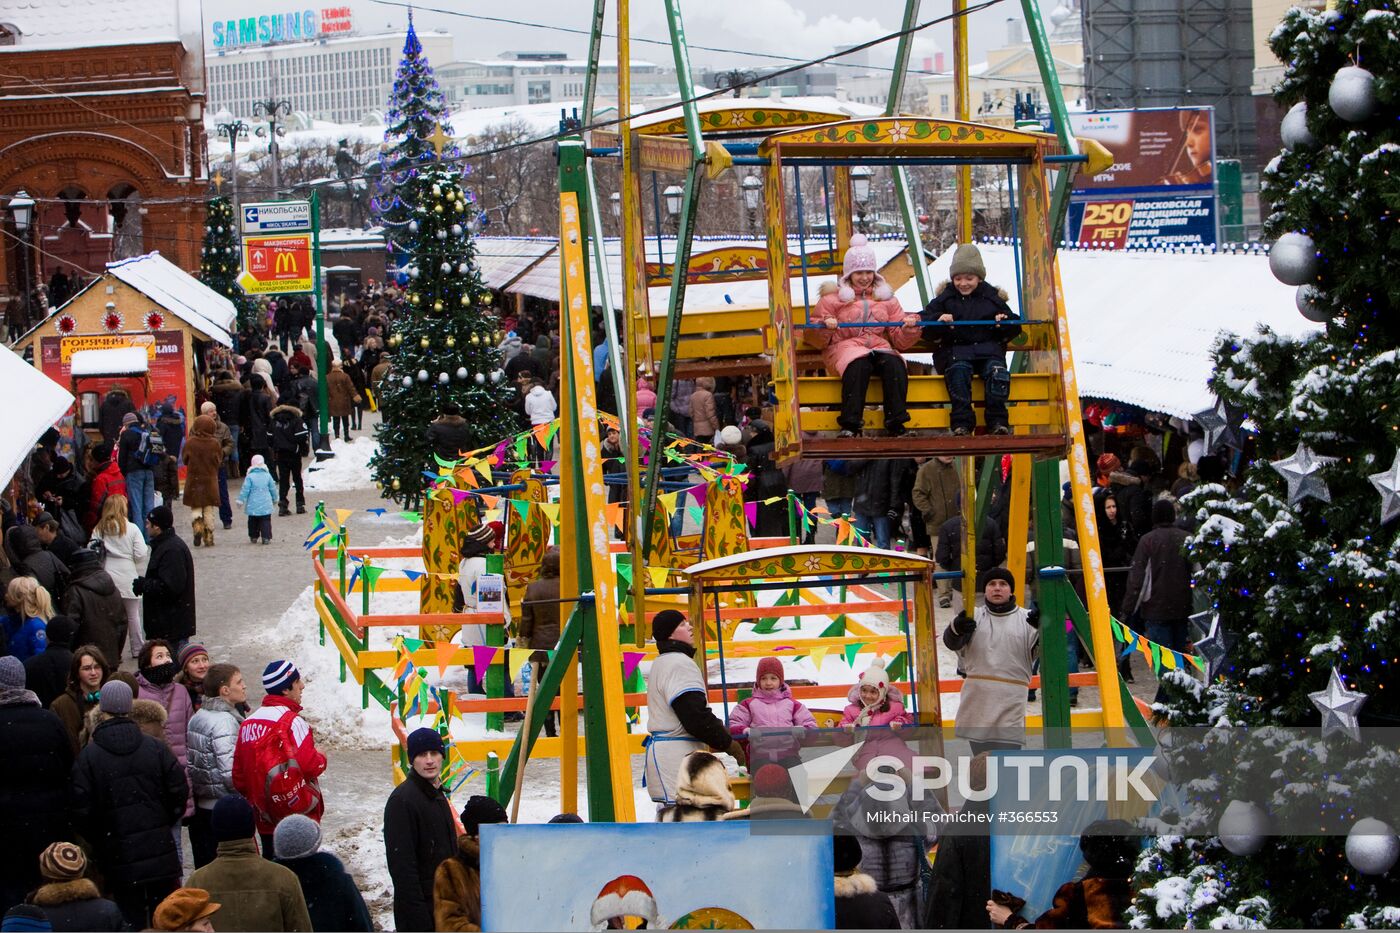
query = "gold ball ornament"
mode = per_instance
[
  {"x": 461, "y": 206},
  {"x": 476, "y": 341},
  {"x": 451, "y": 341},
  {"x": 397, "y": 484},
  {"x": 414, "y": 299},
  {"x": 437, "y": 191},
  {"x": 437, "y": 305},
  {"x": 466, "y": 301},
  {"x": 484, "y": 300},
  {"x": 423, "y": 343},
  {"x": 437, "y": 208}
]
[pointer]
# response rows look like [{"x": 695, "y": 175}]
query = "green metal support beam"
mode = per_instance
[
  {"x": 600, "y": 288},
  {"x": 595, "y": 43},
  {"x": 1055, "y": 97},
  {"x": 1050, "y": 552},
  {"x": 681, "y": 51},
  {"x": 903, "y": 192}
]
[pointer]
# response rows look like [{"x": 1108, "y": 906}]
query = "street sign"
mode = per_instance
[
  {"x": 276, "y": 265},
  {"x": 277, "y": 217}
]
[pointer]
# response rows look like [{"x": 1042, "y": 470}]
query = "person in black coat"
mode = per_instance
[
  {"x": 448, "y": 434},
  {"x": 882, "y": 488},
  {"x": 46, "y": 673},
  {"x": 332, "y": 898},
  {"x": 71, "y": 901},
  {"x": 115, "y": 405},
  {"x": 766, "y": 481},
  {"x": 991, "y": 545},
  {"x": 129, "y": 794},
  {"x": 419, "y": 832},
  {"x": 95, "y": 606},
  {"x": 860, "y": 905},
  {"x": 167, "y": 589},
  {"x": 33, "y": 783},
  {"x": 27, "y": 554},
  {"x": 259, "y": 415},
  {"x": 962, "y": 873}
]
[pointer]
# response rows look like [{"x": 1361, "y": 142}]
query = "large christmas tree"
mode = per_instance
[
  {"x": 444, "y": 344},
  {"x": 417, "y": 111},
  {"x": 219, "y": 260},
  {"x": 1302, "y": 563}
]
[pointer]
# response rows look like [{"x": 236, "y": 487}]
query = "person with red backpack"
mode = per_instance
[{"x": 276, "y": 765}]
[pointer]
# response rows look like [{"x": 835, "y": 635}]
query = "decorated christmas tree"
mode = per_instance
[
  {"x": 444, "y": 344},
  {"x": 417, "y": 112},
  {"x": 1302, "y": 563},
  {"x": 219, "y": 259}
]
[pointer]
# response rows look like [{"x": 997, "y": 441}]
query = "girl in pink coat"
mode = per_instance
[
  {"x": 874, "y": 701},
  {"x": 771, "y": 707},
  {"x": 857, "y": 353}
]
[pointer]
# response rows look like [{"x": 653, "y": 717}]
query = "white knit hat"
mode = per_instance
[
  {"x": 860, "y": 257},
  {"x": 876, "y": 676}
]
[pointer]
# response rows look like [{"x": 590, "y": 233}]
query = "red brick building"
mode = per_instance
[{"x": 101, "y": 123}]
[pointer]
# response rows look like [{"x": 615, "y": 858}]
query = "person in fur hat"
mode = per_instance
[
  {"x": 996, "y": 651},
  {"x": 457, "y": 882},
  {"x": 858, "y": 353},
  {"x": 68, "y": 897},
  {"x": 702, "y": 791},
  {"x": 965, "y": 351},
  {"x": 772, "y": 712},
  {"x": 874, "y": 702},
  {"x": 860, "y": 905}
]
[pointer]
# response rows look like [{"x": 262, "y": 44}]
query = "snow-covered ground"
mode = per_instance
[{"x": 348, "y": 469}]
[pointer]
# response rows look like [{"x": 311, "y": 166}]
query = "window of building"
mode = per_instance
[{"x": 943, "y": 103}]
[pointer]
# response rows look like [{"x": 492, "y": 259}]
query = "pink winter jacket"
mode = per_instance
[
  {"x": 770, "y": 709},
  {"x": 877, "y": 743},
  {"x": 844, "y": 344},
  {"x": 175, "y": 700}
]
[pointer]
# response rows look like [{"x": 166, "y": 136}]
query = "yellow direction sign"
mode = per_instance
[{"x": 276, "y": 265}]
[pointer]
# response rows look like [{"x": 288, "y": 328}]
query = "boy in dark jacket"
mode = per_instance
[
  {"x": 419, "y": 832},
  {"x": 965, "y": 351},
  {"x": 289, "y": 446}
]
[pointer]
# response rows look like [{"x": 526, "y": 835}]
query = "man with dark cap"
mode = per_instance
[
  {"x": 419, "y": 832},
  {"x": 137, "y": 456},
  {"x": 257, "y": 894},
  {"x": 167, "y": 589},
  {"x": 996, "y": 650},
  {"x": 53, "y": 539},
  {"x": 33, "y": 783},
  {"x": 129, "y": 793},
  {"x": 46, "y": 673},
  {"x": 457, "y": 884},
  {"x": 678, "y": 709},
  {"x": 95, "y": 605},
  {"x": 1165, "y": 603}
]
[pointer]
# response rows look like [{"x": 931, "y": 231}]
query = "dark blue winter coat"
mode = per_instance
[
  {"x": 33, "y": 793},
  {"x": 332, "y": 899},
  {"x": 970, "y": 343},
  {"x": 26, "y": 637}
]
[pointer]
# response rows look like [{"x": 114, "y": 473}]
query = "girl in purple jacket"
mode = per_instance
[{"x": 771, "y": 707}]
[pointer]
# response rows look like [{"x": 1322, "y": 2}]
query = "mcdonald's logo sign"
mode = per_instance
[{"x": 276, "y": 265}]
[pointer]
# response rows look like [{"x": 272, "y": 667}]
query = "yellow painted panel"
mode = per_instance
[
  {"x": 929, "y": 418},
  {"x": 713, "y": 348},
  {"x": 826, "y": 390},
  {"x": 544, "y": 747},
  {"x": 347, "y": 654}
]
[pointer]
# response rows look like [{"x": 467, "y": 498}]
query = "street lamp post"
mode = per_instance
[
  {"x": 615, "y": 199},
  {"x": 860, "y": 193},
  {"x": 273, "y": 111},
  {"x": 673, "y": 195},
  {"x": 230, "y": 127},
  {"x": 21, "y": 208},
  {"x": 751, "y": 186}
]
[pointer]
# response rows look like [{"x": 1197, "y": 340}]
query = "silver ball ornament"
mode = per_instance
[
  {"x": 1293, "y": 259},
  {"x": 463, "y": 268},
  {"x": 1294, "y": 128},
  {"x": 443, "y": 379},
  {"x": 498, "y": 375},
  {"x": 442, "y": 234},
  {"x": 445, "y": 268},
  {"x": 422, "y": 375},
  {"x": 456, "y": 229},
  {"x": 407, "y": 381},
  {"x": 1352, "y": 95},
  {"x": 1372, "y": 847},
  {"x": 1308, "y": 299},
  {"x": 481, "y": 379},
  {"x": 462, "y": 372},
  {"x": 1244, "y": 826},
  {"x": 413, "y": 226}
]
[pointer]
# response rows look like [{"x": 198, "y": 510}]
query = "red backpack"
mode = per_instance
[{"x": 268, "y": 773}]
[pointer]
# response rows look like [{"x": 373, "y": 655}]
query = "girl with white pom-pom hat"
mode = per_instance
[{"x": 858, "y": 353}]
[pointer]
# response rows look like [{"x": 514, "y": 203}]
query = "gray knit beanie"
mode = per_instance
[
  {"x": 11, "y": 672},
  {"x": 115, "y": 699},
  {"x": 297, "y": 836}
]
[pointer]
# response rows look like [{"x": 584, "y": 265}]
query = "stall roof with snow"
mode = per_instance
[
  {"x": 180, "y": 293},
  {"x": 45, "y": 402}
]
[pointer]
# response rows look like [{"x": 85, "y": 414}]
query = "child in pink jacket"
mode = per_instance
[
  {"x": 874, "y": 701},
  {"x": 770, "y": 707},
  {"x": 858, "y": 353}
]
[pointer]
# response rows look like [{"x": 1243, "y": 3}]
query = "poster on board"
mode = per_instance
[
  {"x": 681, "y": 876},
  {"x": 1160, "y": 189},
  {"x": 165, "y": 354}
]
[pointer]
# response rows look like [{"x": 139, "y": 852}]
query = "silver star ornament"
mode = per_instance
[
  {"x": 1387, "y": 483},
  {"x": 1215, "y": 648},
  {"x": 1302, "y": 473},
  {"x": 1221, "y": 424},
  {"x": 1339, "y": 707}
]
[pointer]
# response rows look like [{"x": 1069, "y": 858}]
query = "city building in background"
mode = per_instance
[
  {"x": 101, "y": 127},
  {"x": 1010, "y": 72},
  {"x": 1176, "y": 53},
  {"x": 327, "y": 76},
  {"x": 521, "y": 78}
]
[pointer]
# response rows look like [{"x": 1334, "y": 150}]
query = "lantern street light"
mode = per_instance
[
  {"x": 21, "y": 207},
  {"x": 231, "y": 128},
  {"x": 673, "y": 196},
  {"x": 860, "y": 193},
  {"x": 751, "y": 187},
  {"x": 273, "y": 111}
]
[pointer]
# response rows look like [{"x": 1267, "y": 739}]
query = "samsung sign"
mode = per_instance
[{"x": 281, "y": 27}]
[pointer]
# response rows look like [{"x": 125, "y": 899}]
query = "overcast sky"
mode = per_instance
[{"x": 800, "y": 28}]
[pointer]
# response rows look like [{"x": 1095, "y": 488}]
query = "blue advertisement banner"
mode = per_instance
[{"x": 1144, "y": 221}]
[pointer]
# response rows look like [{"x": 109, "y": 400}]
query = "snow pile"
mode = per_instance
[{"x": 348, "y": 469}]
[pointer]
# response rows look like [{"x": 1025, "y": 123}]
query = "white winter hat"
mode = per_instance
[
  {"x": 860, "y": 257},
  {"x": 730, "y": 434},
  {"x": 876, "y": 676},
  {"x": 625, "y": 896}
]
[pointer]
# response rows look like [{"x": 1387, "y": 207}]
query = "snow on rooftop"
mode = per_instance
[
  {"x": 179, "y": 293},
  {"x": 81, "y": 23},
  {"x": 45, "y": 401},
  {"x": 114, "y": 361}
]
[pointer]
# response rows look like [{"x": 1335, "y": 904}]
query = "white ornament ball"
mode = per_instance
[
  {"x": 413, "y": 226},
  {"x": 1372, "y": 847},
  {"x": 442, "y": 234},
  {"x": 1309, "y": 299},
  {"x": 498, "y": 375},
  {"x": 1352, "y": 95},
  {"x": 443, "y": 379},
  {"x": 1294, "y": 128},
  {"x": 422, "y": 375},
  {"x": 462, "y": 372},
  {"x": 413, "y": 272},
  {"x": 407, "y": 381},
  {"x": 456, "y": 229},
  {"x": 1293, "y": 259},
  {"x": 464, "y": 268},
  {"x": 1243, "y": 827},
  {"x": 445, "y": 268},
  {"x": 481, "y": 379}
]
